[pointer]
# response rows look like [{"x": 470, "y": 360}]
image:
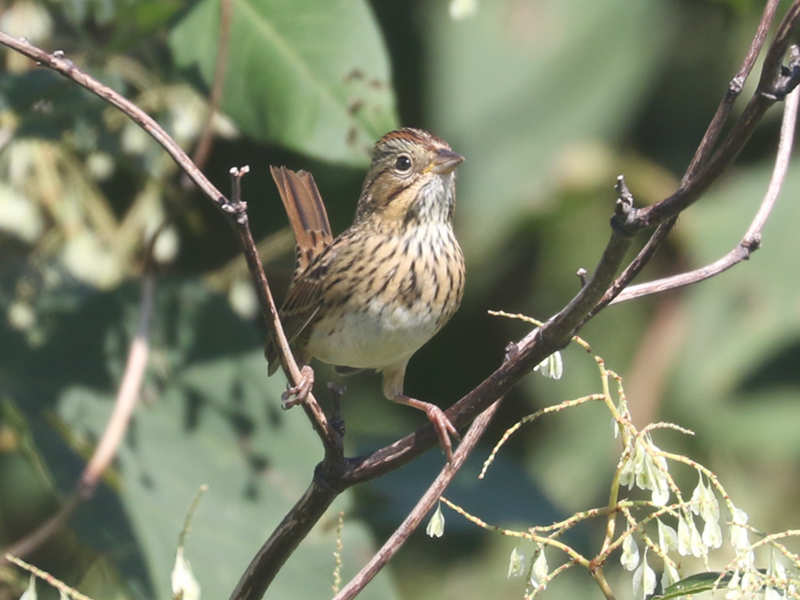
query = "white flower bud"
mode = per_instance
[
  {"x": 644, "y": 580},
  {"x": 516, "y": 563},
  {"x": 435, "y": 526},
  {"x": 184, "y": 584},
  {"x": 540, "y": 570},
  {"x": 667, "y": 537},
  {"x": 630, "y": 553}
]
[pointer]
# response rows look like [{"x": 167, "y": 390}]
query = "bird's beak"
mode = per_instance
[{"x": 445, "y": 161}]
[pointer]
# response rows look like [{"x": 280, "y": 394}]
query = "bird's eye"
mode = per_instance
[{"x": 403, "y": 163}]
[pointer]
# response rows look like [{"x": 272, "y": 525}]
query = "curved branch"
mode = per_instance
[
  {"x": 294, "y": 527},
  {"x": 751, "y": 241},
  {"x": 126, "y": 400},
  {"x": 732, "y": 93},
  {"x": 520, "y": 358},
  {"x": 333, "y": 475},
  {"x": 700, "y": 159},
  {"x": 773, "y": 85},
  {"x": 234, "y": 212}
]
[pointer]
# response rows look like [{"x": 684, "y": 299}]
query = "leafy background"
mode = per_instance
[{"x": 548, "y": 101}]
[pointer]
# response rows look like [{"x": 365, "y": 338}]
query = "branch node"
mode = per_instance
[
  {"x": 511, "y": 351},
  {"x": 625, "y": 215},
  {"x": 789, "y": 76},
  {"x": 582, "y": 274},
  {"x": 236, "y": 206},
  {"x": 326, "y": 476},
  {"x": 625, "y": 198},
  {"x": 735, "y": 86},
  {"x": 752, "y": 243},
  {"x": 58, "y": 54}
]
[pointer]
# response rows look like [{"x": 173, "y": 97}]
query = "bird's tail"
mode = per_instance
[
  {"x": 309, "y": 221},
  {"x": 306, "y": 212}
]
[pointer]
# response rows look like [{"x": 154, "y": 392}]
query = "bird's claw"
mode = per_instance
[
  {"x": 444, "y": 429},
  {"x": 296, "y": 394}
]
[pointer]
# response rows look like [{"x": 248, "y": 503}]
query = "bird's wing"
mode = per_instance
[{"x": 302, "y": 303}]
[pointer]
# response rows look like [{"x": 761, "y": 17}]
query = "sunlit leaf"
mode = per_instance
[{"x": 312, "y": 75}]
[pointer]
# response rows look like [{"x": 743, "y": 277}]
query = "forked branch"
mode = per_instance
[{"x": 334, "y": 473}]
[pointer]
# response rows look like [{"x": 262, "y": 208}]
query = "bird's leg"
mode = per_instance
[
  {"x": 393, "y": 390},
  {"x": 296, "y": 394}
]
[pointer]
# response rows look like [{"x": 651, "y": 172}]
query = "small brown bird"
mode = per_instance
[{"x": 374, "y": 295}]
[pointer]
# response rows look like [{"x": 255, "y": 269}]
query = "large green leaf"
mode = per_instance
[{"x": 312, "y": 75}]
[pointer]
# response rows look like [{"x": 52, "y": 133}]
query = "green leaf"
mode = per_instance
[
  {"x": 694, "y": 584},
  {"x": 312, "y": 75}
]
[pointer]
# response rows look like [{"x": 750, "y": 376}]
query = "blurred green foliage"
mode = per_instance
[
  {"x": 548, "y": 101},
  {"x": 296, "y": 76}
]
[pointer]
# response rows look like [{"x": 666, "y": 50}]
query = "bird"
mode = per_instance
[{"x": 375, "y": 294}]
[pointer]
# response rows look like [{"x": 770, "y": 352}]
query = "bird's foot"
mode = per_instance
[
  {"x": 443, "y": 427},
  {"x": 296, "y": 394}
]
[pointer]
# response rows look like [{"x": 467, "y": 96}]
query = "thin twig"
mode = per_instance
[
  {"x": 332, "y": 476},
  {"x": 128, "y": 395},
  {"x": 772, "y": 86},
  {"x": 752, "y": 238},
  {"x": 113, "y": 434},
  {"x": 62, "y": 587},
  {"x": 331, "y": 441},
  {"x": 59, "y": 63},
  {"x": 203, "y": 147},
  {"x": 235, "y": 212},
  {"x": 422, "y": 508},
  {"x": 735, "y": 87},
  {"x": 700, "y": 158}
]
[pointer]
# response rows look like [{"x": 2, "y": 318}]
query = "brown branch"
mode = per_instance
[
  {"x": 235, "y": 212},
  {"x": 520, "y": 359},
  {"x": 772, "y": 86},
  {"x": 272, "y": 555},
  {"x": 636, "y": 265},
  {"x": 422, "y": 508},
  {"x": 700, "y": 159},
  {"x": 331, "y": 440},
  {"x": 751, "y": 241},
  {"x": 59, "y": 63},
  {"x": 707, "y": 144},
  {"x": 559, "y": 329},
  {"x": 735, "y": 87},
  {"x": 335, "y": 474}
]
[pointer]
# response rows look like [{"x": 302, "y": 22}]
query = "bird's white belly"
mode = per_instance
[{"x": 374, "y": 338}]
